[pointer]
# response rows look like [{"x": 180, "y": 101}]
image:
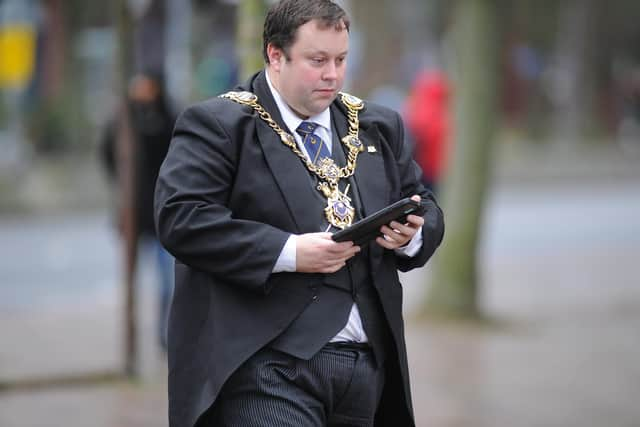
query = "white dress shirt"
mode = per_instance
[{"x": 353, "y": 330}]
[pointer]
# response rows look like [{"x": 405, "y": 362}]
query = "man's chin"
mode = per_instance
[{"x": 322, "y": 104}]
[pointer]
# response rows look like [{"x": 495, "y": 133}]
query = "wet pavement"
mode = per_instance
[{"x": 559, "y": 275}]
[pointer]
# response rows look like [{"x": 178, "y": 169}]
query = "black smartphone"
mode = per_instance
[{"x": 368, "y": 228}]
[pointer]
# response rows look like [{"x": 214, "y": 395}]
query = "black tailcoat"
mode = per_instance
[{"x": 229, "y": 195}]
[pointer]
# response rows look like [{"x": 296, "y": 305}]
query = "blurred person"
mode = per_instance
[
  {"x": 272, "y": 322},
  {"x": 428, "y": 123},
  {"x": 152, "y": 121},
  {"x": 628, "y": 128}
]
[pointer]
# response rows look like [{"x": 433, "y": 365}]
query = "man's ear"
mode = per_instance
[{"x": 275, "y": 56}]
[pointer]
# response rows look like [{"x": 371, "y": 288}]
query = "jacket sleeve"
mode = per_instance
[
  {"x": 192, "y": 216},
  {"x": 410, "y": 184}
]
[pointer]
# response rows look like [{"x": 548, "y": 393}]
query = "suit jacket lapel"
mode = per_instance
[
  {"x": 287, "y": 168},
  {"x": 369, "y": 174}
]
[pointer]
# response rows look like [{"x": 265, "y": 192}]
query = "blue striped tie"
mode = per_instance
[{"x": 315, "y": 146}]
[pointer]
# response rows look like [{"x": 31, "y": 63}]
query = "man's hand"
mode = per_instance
[
  {"x": 317, "y": 253},
  {"x": 396, "y": 235}
]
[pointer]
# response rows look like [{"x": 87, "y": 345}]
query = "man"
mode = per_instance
[
  {"x": 273, "y": 323},
  {"x": 152, "y": 121}
]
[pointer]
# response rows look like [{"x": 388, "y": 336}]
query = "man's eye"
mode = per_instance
[{"x": 317, "y": 60}]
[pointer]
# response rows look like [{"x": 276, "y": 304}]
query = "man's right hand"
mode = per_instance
[{"x": 317, "y": 253}]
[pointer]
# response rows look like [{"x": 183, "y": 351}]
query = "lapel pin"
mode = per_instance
[{"x": 371, "y": 149}]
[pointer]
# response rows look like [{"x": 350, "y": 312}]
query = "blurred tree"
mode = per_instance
[
  {"x": 214, "y": 40},
  {"x": 529, "y": 34},
  {"x": 56, "y": 117},
  {"x": 475, "y": 44},
  {"x": 125, "y": 153},
  {"x": 250, "y": 23},
  {"x": 563, "y": 64},
  {"x": 49, "y": 110},
  {"x": 55, "y": 48},
  {"x": 572, "y": 77},
  {"x": 379, "y": 49}
]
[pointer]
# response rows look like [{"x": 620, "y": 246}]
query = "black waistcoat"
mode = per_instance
[{"x": 328, "y": 311}]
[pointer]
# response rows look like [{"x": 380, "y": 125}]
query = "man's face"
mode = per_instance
[
  {"x": 309, "y": 80},
  {"x": 142, "y": 89}
]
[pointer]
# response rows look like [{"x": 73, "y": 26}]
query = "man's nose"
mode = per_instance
[{"x": 330, "y": 71}]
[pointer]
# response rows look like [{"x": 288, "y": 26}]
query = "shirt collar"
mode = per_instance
[{"x": 290, "y": 118}]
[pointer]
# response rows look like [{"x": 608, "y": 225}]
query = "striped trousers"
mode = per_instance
[{"x": 339, "y": 386}]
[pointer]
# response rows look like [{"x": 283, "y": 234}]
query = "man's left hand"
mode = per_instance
[{"x": 396, "y": 235}]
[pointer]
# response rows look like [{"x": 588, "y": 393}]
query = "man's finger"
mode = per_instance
[
  {"x": 394, "y": 233},
  {"x": 387, "y": 244},
  {"x": 401, "y": 228},
  {"x": 415, "y": 220}
]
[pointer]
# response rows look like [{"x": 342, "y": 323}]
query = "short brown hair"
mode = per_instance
[{"x": 286, "y": 16}]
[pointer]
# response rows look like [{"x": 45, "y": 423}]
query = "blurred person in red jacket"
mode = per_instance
[{"x": 428, "y": 125}]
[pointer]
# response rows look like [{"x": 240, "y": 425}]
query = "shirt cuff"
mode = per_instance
[
  {"x": 414, "y": 245},
  {"x": 287, "y": 259}
]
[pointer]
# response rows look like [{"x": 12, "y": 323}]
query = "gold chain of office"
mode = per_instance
[{"x": 339, "y": 211}]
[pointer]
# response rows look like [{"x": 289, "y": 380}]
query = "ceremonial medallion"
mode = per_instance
[
  {"x": 352, "y": 101},
  {"x": 339, "y": 211},
  {"x": 243, "y": 97},
  {"x": 353, "y": 141},
  {"x": 329, "y": 169}
]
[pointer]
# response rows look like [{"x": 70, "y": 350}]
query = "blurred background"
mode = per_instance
[{"x": 524, "y": 114}]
